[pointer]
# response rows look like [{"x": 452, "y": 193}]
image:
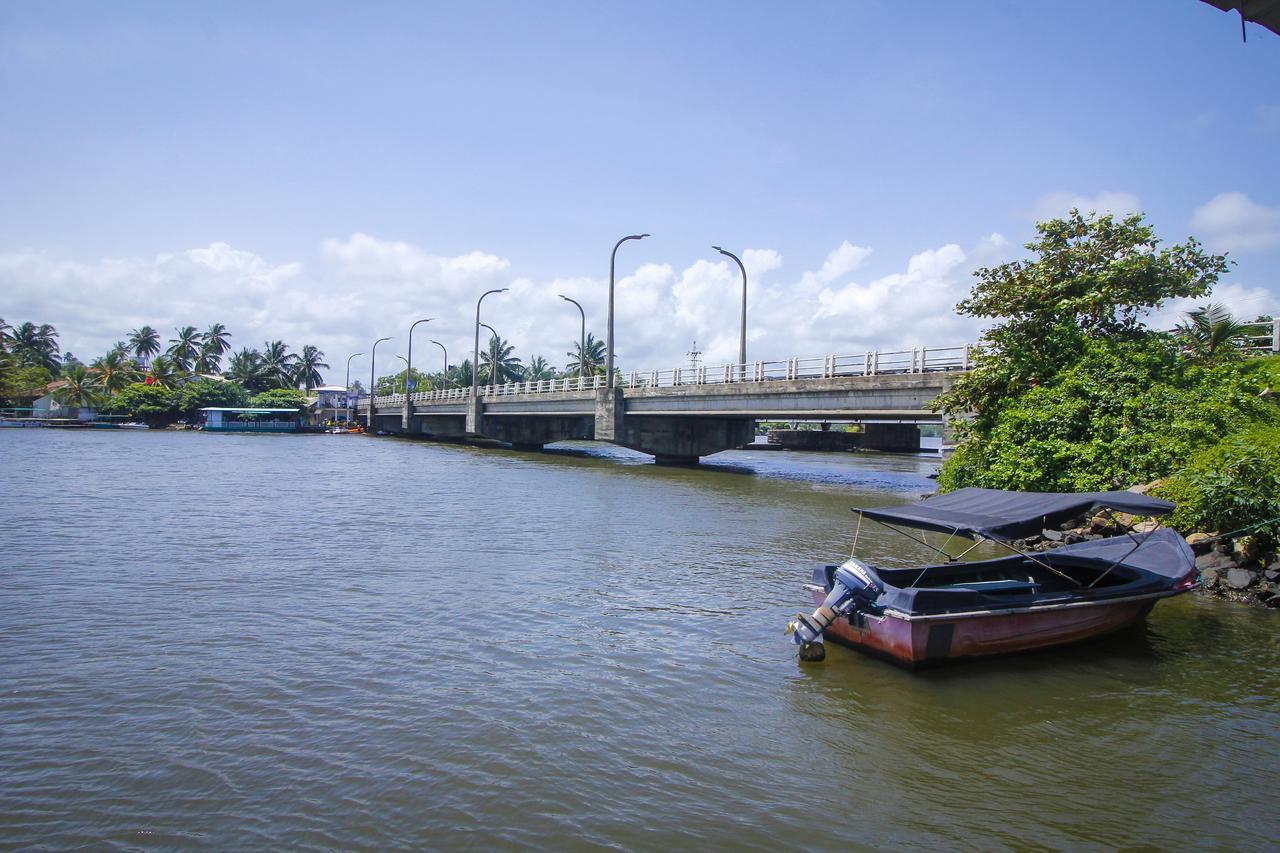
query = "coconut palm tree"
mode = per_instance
[
  {"x": 165, "y": 373},
  {"x": 246, "y": 368},
  {"x": 36, "y": 346},
  {"x": 595, "y": 357},
  {"x": 277, "y": 364},
  {"x": 185, "y": 348},
  {"x": 114, "y": 370},
  {"x": 1211, "y": 333},
  {"x": 306, "y": 371},
  {"x": 499, "y": 353},
  {"x": 213, "y": 344},
  {"x": 81, "y": 391},
  {"x": 144, "y": 342},
  {"x": 538, "y": 370}
]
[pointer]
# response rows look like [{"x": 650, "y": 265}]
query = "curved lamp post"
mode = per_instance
[
  {"x": 409, "y": 360},
  {"x": 742, "y": 332},
  {"x": 444, "y": 376},
  {"x": 373, "y": 357},
  {"x": 475, "y": 355},
  {"x": 350, "y": 415},
  {"x": 582, "y": 347},
  {"x": 493, "y": 359},
  {"x": 612, "y": 258}
]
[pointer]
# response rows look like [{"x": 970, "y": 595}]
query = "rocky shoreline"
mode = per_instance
[{"x": 1231, "y": 568}]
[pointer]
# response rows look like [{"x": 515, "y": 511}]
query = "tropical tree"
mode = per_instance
[
  {"x": 165, "y": 373},
  {"x": 538, "y": 369},
  {"x": 151, "y": 403},
  {"x": 246, "y": 367},
  {"x": 306, "y": 371},
  {"x": 595, "y": 357},
  {"x": 199, "y": 393},
  {"x": 213, "y": 344},
  {"x": 279, "y": 398},
  {"x": 81, "y": 390},
  {"x": 6, "y": 336},
  {"x": 185, "y": 348},
  {"x": 36, "y": 346},
  {"x": 508, "y": 366},
  {"x": 114, "y": 370},
  {"x": 1211, "y": 334},
  {"x": 398, "y": 384},
  {"x": 69, "y": 361},
  {"x": 278, "y": 365},
  {"x": 144, "y": 342}
]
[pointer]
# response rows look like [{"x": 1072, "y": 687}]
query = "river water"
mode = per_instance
[{"x": 229, "y": 641}]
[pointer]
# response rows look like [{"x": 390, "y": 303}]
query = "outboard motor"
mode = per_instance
[{"x": 854, "y": 587}]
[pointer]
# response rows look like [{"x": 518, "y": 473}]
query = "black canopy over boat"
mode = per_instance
[{"x": 1022, "y": 601}]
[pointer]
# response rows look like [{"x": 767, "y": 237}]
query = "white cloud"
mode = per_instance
[
  {"x": 1245, "y": 303},
  {"x": 364, "y": 287},
  {"x": 1055, "y": 204},
  {"x": 1234, "y": 222}
]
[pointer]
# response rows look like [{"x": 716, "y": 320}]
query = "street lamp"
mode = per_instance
[
  {"x": 408, "y": 388},
  {"x": 742, "y": 332},
  {"x": 493, "y": 359},
  {"x": 406, "y": 374},
  {"x": 350, "y": 415},
  {"x": 373, "y": 357},
  {"x": 444, "y": 377},
  {"x": 475, "y": 355},
  {"x": 582, "y": 348},
  {"x": 612, "y": 257}
]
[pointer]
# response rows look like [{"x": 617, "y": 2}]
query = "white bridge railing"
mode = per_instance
[{"x": 875, "y": 363}]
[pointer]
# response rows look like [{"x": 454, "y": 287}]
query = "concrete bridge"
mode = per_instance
[{"x": 680, "y": 415}]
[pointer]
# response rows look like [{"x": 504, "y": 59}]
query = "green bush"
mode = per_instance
[
  {"x": 150, "y": 403},
  {"x": 1124, "y": 412},
  {"x": 279, "y": 398},
  {"x": 199, "y": 393},
  {"x": 1231, "y": 485}
]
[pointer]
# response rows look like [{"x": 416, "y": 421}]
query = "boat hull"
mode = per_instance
[{"x": 919, "y": 641}]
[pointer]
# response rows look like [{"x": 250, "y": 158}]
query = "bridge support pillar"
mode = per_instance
[
  {"x": 475, "y": 416},
  {"x": 894, "y": 438}
]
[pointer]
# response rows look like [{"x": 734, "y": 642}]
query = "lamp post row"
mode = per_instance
[{"x": 582, "y": 346}]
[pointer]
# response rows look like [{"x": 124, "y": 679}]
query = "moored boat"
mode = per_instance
[{"x": 953, "y": 610}]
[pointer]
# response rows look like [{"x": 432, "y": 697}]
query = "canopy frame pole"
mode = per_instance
[
  {"x": 856, "y": 533},
  {"x": 1137, "y": 543},
  {"x": 924, "y": 542},
  {"x": 1038, "y": 562}
]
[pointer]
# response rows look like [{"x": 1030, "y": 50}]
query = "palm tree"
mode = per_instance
[
  {"x": 595, "y": 357},
  {"x": 36, "y": 346},
  {"x": 213, "y": 343},
  {"x": 185, "y": 348},
  {"x": 144, "y": 342},
  {"x": 1211, "y": 333},
  {"x": 5, "y": 335},
  {"x": 114, "y": 370},
  {"x": 120, "y": 347},
  {"x": 164, "y": 372},
  {"x": 81, "y": 391},
  {"x": 277, "y": 364},
  {"x": 538, "y": 370},
  {"x": 459, "y": 375},
  {"x": 499, "y": 352},
  {"x": 306, "y": 371},
  {"x": 246, "y": 368}
]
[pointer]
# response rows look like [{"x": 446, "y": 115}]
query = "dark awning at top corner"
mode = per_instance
[{"x": 1004, "y": 515}]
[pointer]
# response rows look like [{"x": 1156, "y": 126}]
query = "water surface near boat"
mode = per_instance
[{"x": 247, "y": 641}]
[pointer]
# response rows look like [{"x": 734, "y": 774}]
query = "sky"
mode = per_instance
[{"x": 327, "y": 173}]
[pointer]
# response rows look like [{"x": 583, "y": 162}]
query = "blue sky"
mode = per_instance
[{"x": 326, "y": 173}]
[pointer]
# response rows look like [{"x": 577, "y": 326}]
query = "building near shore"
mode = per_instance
[{"x": 234, "y": 419}]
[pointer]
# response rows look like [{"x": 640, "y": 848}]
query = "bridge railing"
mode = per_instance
[{"x": 874, "y": 363}]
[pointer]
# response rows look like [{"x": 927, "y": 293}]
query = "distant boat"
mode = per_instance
[{"x": 930, "y": 614}]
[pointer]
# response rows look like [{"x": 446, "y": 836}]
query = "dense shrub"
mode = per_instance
[
  {"x": 279, "y": 398},
  {"x": 199, "y": 393},
  {"x": 1123, "y": 412},
  {"x": 1232, "y": 485},
  {"x": 150, "y": 403}
]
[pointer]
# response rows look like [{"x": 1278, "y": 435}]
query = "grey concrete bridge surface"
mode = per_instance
[{"x": 680, "y": 415}]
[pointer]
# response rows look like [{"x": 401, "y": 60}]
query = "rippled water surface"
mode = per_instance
[{"x": 347, "y": 642}]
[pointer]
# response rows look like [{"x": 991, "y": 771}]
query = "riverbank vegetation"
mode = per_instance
[{"x": 1072, "y": 391}]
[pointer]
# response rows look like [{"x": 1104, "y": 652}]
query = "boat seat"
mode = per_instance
[{"x": 997, "y": 586}]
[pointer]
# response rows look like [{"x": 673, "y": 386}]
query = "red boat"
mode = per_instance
[{"x": 950, "y": 611}]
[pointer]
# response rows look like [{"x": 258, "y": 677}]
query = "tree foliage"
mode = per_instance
[
  {"x": 1092, "y": 278},
  {"x": 154, "y": 404},
  {"x": 199, "y": 393},
  {"x": 279, "y": 398}
]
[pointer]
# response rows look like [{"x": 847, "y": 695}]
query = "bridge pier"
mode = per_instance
[{"x": 893, "y": 438}]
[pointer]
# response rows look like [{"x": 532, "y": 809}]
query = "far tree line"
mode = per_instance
[{"x": 192, "y": 364}]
